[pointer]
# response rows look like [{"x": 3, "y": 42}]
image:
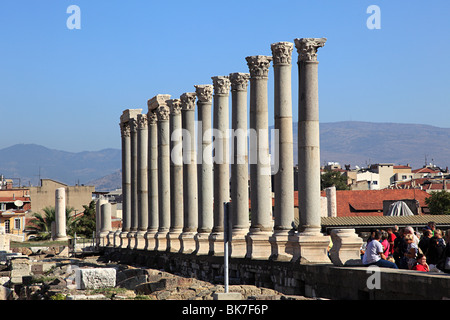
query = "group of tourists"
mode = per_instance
[{"x": 403, "y": 248}]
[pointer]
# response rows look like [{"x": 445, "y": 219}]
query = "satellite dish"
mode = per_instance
[{"x": 18, "y": 203}]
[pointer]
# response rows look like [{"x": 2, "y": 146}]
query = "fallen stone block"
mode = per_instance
[{"x": 95, "y": 278}]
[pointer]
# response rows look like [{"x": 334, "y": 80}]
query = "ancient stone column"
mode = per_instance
[
  {"x": 159, "y": 104},
  {"x": 239, "y": 166},
  {"x": 205, "y": 169},
  {"x": 312, "y": 244},
  {"x": 284, "y": 176},
  {"x": 176, "y": 175},
  {"x": 98, "y": 217},
  {"x": 153, "y": 208},
  {"x": 105, "y": 213},
  {"x": 134, "y": 194},
  {"x": 190, "y": 191},
  {"x": 258, "y": 245},
  {"x": 142, "y": 180},
  {"x": 60, "y": 214},
  {"x": 126, "y": 173},
  {"x": 221, "y": 161}
]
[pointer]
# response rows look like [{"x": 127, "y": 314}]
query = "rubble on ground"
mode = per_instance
[{"x": 50, "y": 274}]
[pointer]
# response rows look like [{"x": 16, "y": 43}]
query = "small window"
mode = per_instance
[{"x": 17, "y": 224}]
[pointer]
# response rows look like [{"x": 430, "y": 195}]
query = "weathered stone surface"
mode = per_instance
[{"x": 95, "y": 278}]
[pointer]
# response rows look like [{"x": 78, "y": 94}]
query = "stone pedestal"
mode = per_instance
[
  {"x": 205, "y": 167},
  {"x": 190, "y": 191},
  {"x": 153, "y": 208},
  {"x": 261, "y": 227},
  {"x": 309, "y": 247},
  {"x": 346, "y": 248},
  {"x": 221, "y": 86},
  {"x": 60, "y": 215},
  {"x": 239, "y": 167}
]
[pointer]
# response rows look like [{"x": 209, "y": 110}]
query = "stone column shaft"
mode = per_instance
[
  {"x": 205, "y": 169},
  {"x": 105, "y": 213},
  {"x": 126, "y": 173},
  {"x": 176, "y": 175},
  {"x": 312, "y": 244},
  {"x": 221, "y": 85},
  {"x": 239, "y": 166},
  {"x": 260, "y": 170},
  {"x": 284, "y": 176},
  {"x": 60, "y": 214},
  {"x": 142, "y": 179},
  {"x": 153, "y": 208},
  {"x": 134, "y": 194},
  {"x": 190, "y": 190}
]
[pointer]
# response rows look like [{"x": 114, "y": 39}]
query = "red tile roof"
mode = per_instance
[{"x": 370, "y": 202}]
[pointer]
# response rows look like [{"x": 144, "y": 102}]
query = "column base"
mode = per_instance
[
  {"x": 131, "y": 239},
  {"x": 140, "y": 240},
  {"x": 281, "y": 250},
  {"x": 116, "y": 239},
  {"x": 202, "y": 243},
  {"x": 150, "y": 241},
  {"x": 309, "y": 247},
  {"x": 188, "y": 243},
  {"x": 238, "y": 246},
  {"x": 258, "y": 245},
  {"x": 216, "y": 244},
  {"x": 346, "y": 248},
  {"x": 123, "y": 240},
  {"x": 173, "y": 241},
  {"x": 161, "y": 241}
]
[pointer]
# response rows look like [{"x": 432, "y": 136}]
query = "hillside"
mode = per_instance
[{"x": 354, "y": 143}]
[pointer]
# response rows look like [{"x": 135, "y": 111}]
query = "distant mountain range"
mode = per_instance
[{"x": 351, "y": 142}]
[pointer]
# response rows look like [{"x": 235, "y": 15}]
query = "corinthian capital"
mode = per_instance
[
  {"x": 204, "y": 92},
  {"x": 282, "y": 52},
  {"x": 221, "y": 85},
  {"x": 258, "y": 66},
  {"x": 152, "y": 117},
  {"x": 163, "y": 112},
  {"x": 175, "y": 106},
  {"x": 239, "y": 81},
  {"x": 307, "y": 48},
  {"x": 142, "y": 121},
  {"x": 125, "y": 129},
  {"x": 188, "y": 101}
]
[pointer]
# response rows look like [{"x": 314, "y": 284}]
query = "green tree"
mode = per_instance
[
  {"x": 41, "y": 225},
  {"x": 439, "y": 202},
  {"x": 333, "y": 178},
  {"x": 85, "y": 224}
]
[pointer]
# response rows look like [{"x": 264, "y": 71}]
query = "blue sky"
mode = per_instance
[{"x": 65, "y": 89}]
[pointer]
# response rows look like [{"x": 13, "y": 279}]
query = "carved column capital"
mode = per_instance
[
  {"x": 175, "y": 106},
  {"x": 204, "y": 92},
  {"x": 142, "y": 121},
  {"x": 152, "y": 117},
  {"x": 282, "y": 53},
  {"x": 163, "y": 112},
  {"x": 133, "y": 125},
  {"x": 307, "y": 48},
  {"x": 125, "y": 129},
  {"x": 221, "y": 85},
  {"x": 188, "y": 101},
  {"x": 259, "y": 66},
  {"x": 239, "y": 81}
]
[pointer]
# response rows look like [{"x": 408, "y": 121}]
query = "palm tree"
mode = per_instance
[{"x": 41, "y": 225}]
